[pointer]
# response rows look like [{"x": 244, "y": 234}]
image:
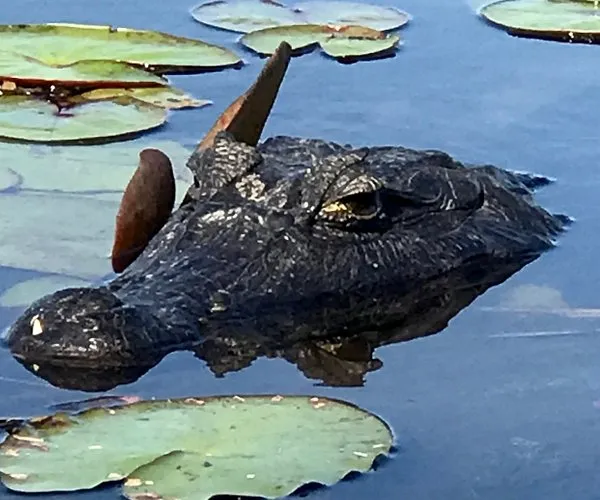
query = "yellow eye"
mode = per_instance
[
  {"x": 336, "y": 207},
  {"x": 356, "y": 206}
]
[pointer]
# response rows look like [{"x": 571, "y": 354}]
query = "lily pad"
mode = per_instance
[
  {"x": 265, "y": 446},
  {"x": 8, "y": 178},
  {"x": 568, "y": 21},
  {"x": 245, "y": 16},
  {"x": 24, "y": 293},
  {"x": 62, "y": 44},
  {"x": 63, "y": 234},
  {"x": 377, "y": 17},
  {"x": 23, "y": 118},
  {"x": 25, "y": 71},
  {"x": 339, "y": 42},
  {"x": 164, "y": 97},
  {"x": 85, "y": 170}
]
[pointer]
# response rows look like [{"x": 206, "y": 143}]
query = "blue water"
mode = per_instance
[{"x": 476, "y": 414}]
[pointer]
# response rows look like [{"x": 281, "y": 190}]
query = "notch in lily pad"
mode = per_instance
[
  {"x": 559, "y": 20},
  {"x": 196, "y": 448},
  {"x": 345, "y": 43}
]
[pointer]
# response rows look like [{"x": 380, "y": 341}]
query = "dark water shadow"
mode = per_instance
[{"x": 341, "y": 361}]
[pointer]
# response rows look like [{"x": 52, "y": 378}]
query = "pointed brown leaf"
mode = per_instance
[
  {"x": 245, "y": 117},
  {"x": 146, "y": 205}
]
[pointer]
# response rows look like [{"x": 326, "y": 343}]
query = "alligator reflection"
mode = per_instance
[{"x": 339, "y": 361}]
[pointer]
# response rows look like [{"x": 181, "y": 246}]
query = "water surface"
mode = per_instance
[{"x": 477, "y": 413}]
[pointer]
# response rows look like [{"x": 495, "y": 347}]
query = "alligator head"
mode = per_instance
[{"x": 289, "y": 241}]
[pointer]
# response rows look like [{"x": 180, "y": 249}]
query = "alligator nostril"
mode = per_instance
[
  {"x": 36, "y": 326},
  {"x": 279, "y": 221}
]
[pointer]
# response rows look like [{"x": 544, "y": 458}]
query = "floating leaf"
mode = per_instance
[
  {"x": 343, "y": 42},
  {"x": 246, "y": 16},
  {"x": 62, "y": 44},
  {"x": 29, "y": 72},
  {"x": 8, "y": 178},
  {"x": 56, "y": 233},
  {"x": 194, "y": 449},
  {"x": 24, "y": 293},
  {"x": 568, "y": 21},
  {"x": 340, "y": 13},
  {"x": 146, "y": 206},
  {"x": 26, "y": 119},
  {"x": 165, "y": 97},
  {"x": 356, "y": 42},
  {"x": 90, "y": 169}
]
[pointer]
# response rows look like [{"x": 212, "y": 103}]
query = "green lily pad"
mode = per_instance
[
  {"x": 341, "y": 43},
  {"x": 23, "y": 118},
  {"x": 24, "y": 293},
  {"x": 567, "y": 21},
  {"x": 243, "y": 16},
  {"x": 377, "y": 17},
  {"x": 25, "y": 71},
  {"x": 90, "y": 169},
  {"x": 246, "y": 16},
  {"x": 164, "y": 97},
  {"x": 63, "y": 44},
  {"x": 8, "y": 178},
  {"x": 56, "y": 233},
  {"x": 193, "y": 449}
]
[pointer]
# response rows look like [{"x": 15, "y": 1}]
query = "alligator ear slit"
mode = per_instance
[{"x": 145, "y": 207}]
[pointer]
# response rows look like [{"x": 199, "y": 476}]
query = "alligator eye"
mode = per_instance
[
  {"x": 357, "y": 206},
  {"x": 364, "y": 205}
]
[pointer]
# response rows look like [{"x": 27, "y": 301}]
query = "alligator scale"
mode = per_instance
[{"x": 286, "y": 241}]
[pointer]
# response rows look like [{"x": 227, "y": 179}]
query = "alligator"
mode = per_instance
[{"x": 287, "y": 241}]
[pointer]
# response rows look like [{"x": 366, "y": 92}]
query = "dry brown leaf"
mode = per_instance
[{"x": 245, "y": 117}]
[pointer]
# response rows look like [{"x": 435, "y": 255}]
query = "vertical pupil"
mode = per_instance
[{"x": 363, "y": 203}]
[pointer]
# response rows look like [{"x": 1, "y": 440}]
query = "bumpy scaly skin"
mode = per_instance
[{"x": 294, "y": 239}]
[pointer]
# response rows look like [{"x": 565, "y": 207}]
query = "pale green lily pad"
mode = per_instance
[
  {"x": 24, "y": 293},
  {"x": 548, "y": 19},
  {"x": 264, "y": 446},
  {"x": 165, "y": 97},
  {"x": 27, "y": 119},
  {"x": 341, "y": 43},
  {"x": 62, "y": 44},
  {"x": 29, "y": 72},
  {"x": 377, "y": 17},
  {"x": 8, "y": 178},
  {"x": 54, "y": 233},
  {"x": 245, "y": 16},
  {"x": 89, "y": 169},
  {"x": 341, "y": 47}
]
